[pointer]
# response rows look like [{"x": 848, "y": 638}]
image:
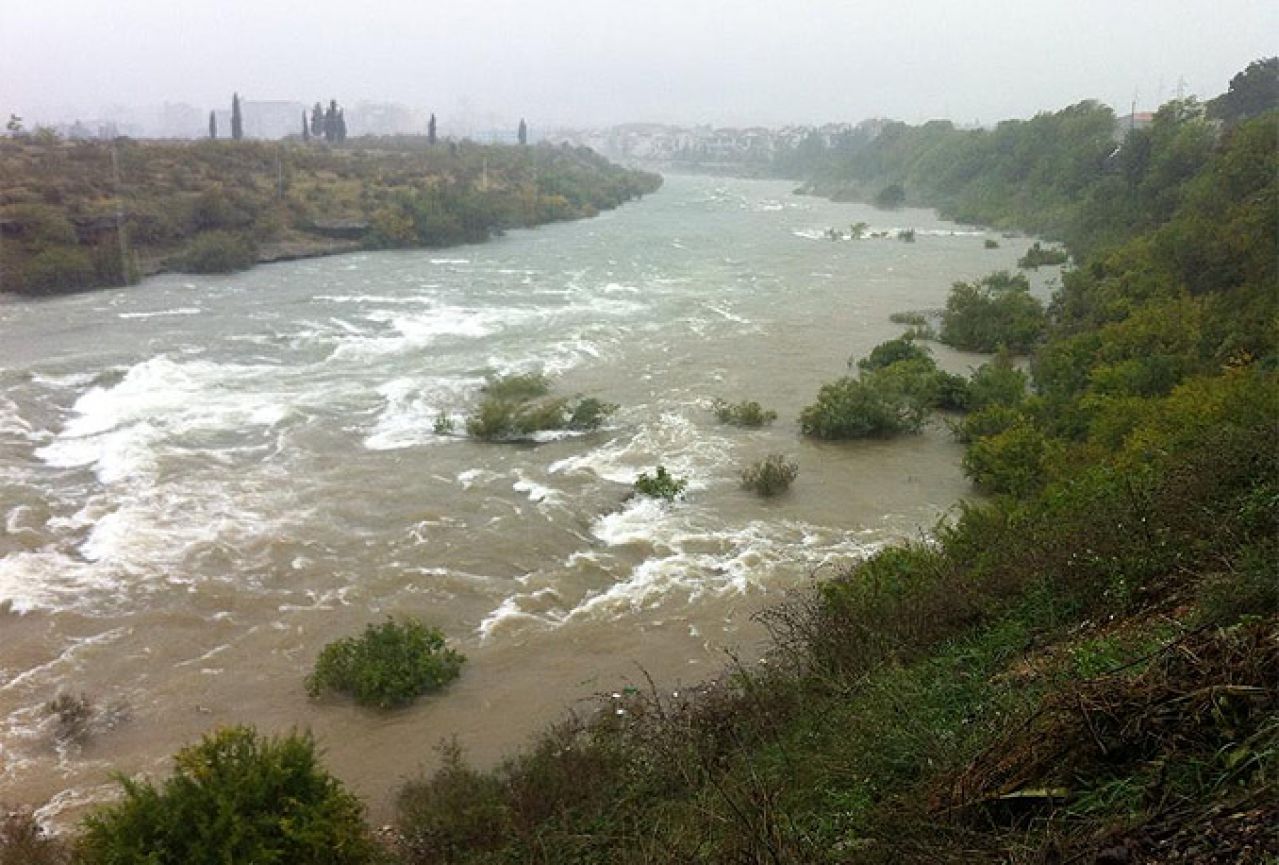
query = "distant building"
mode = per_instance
[{"x": 1137, "y": 120}]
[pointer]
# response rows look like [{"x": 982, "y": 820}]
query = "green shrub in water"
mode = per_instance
[
  {"x": 770, "y": 476},
  {"x": 389, "y": 665},
  {"x": 660, "y": 485},
  {"x": 747, "y": 413}
]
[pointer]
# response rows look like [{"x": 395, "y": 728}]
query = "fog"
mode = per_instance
[{"x": 595, "y": 62}]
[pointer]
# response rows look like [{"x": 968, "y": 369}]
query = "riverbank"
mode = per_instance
[{"x": 81, "y": 215}]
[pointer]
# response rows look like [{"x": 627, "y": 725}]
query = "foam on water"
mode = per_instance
[
  {"x": 182, "y": 310},
  {"x": 117, "y": 429}
]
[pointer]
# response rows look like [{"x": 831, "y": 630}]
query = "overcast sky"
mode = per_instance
[{"x": 591, "y": 62}]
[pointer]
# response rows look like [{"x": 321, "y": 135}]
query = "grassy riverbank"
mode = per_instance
[{"x": 77, "y": 215}]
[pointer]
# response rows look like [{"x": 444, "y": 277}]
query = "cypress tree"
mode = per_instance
[
  {"x": 522, "y": 134},
  {"x": 341, "y": 126},
  {"x": 331, "y": 121},
  {"x": 430, "y": 130},
  {"x": 306, "y": 128},
  {"x": 317, "y": 121},
  {"x": 237, "y": 122},
  {"x": 213, "y": 124}
]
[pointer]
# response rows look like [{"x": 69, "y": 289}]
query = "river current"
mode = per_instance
[{"x": 205, "y": 479}]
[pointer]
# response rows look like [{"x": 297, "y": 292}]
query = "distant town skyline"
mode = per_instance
[{"x": 572, "y": 62}]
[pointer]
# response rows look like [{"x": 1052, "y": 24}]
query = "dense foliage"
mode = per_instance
[
  {"x": 75, "y": 215},
  {"x": 388, "y": 666},
  {"x": 747, "y": 413},
  {"x": 660, "y": 485},
  {"x": 898, "y": 386},
  {"x": 234, "y": 797},
  {"x": 517, "y": 406},
  {"x": 997, "y": 310}
]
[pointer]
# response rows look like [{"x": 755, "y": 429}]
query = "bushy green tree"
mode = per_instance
[
  {"x": 234, "y": 797},
  {"x": 995, "y": 311}
]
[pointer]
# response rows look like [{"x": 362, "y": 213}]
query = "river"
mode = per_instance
[{"x": 204, "y": 479}]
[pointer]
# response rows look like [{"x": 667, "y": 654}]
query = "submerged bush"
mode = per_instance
[
  {"x": 235, "y": 797},
  {"x": 1038, "y": 256},
  {"x": 517, "y": 406},
  {"x": 998, "y": 310},
  {"x": 747, "y": 413},
  {"x": 660, "y": 485},
  {"x": 590, "y": 413},
  {"x": 770, "y": 476},
  {"x": 850, "y": 408},
  {"x": 388, "y": 666},
  {"x": 23, "y": 842}
]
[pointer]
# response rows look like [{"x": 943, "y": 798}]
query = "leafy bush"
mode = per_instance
[
  {"x": 660, "y": 485},
  {"x": 991, "y": 243},
  {"x": 219, "y": 252},
  {"x": 388, "y": 666},
  {"x": 851, "y": 408},
  {"x": 770, "y": 476},
  {"x": 997, "y": 382},
  {"x": 590, "y": 413},
  {"x": 512, "y": 408},
  {"x": 907, "y": 235},
  {"x": 996, "y": 311},
  {"x": 891, "y": 352},
  {"x": 747, "y": 413},
  {"x": 1014, "y": 460},
  {"x": 443, "y": 424},
  {"x": 1038, "y": 256},
  {"x": 234, "y": 797}
]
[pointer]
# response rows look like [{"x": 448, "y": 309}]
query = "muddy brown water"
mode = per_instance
[{"x": 205, "y": 479}]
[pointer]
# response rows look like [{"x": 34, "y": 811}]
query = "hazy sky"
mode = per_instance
[{"x": 584, "y": 62}]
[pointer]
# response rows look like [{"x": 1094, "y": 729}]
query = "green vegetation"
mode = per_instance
[
  {"x": 1040, "y": 256},
  {"x": 66, "y": 214},
  {"x": 990, "y": 243},
  {"x": 1083, "y": 663},
  {"x": 660, "y": 485},
  {"x": 996, "y": 311},
  {"x": 516, "y": 406},
  {"x": 771, "y": 476},
  {"x": 234, "y": 797},
  {"x": 1079, "y": 668},
  {"x": 388, "y": 666},
  {"x": 898, "y": 385},
  {"x": 747, "y": 413}
]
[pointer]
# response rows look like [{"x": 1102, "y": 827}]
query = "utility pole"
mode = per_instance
[{"x": 119, "y": 215}]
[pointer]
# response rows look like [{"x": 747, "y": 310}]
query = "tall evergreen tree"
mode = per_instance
[
  {"x": 213, "y": 124},
  {"x": 317, "y": 121},
  {"x": 237, "y": 122},
  {"x": 331, "y": 121},
  {"x": 341, "y": 126},
  {"x": 306, "y": 127},
  {"x": 430, "y": 130},
  {"x": 522, "y": 134}
]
